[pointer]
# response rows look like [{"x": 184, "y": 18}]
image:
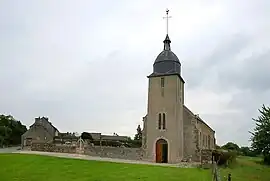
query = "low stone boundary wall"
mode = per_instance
[
  {"x": 115, "y": 152},
  {"x": 48, "y": 147},
  {"x": 109, "y": 152},
  {"x": 206, "y": 156}
]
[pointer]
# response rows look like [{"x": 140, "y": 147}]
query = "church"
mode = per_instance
[{"x": 171, "y": 132}]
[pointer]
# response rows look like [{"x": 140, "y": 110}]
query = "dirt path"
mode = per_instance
[
  {"x": 9, "y": 149},
  {"x": 86, "y": 157}
]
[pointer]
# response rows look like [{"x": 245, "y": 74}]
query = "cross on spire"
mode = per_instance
[{"x": 167, "y": 20}]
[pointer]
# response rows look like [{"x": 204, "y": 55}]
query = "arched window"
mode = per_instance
[
  {"x": 159, "y": 121},
  {"x": 164, "y": 121}
]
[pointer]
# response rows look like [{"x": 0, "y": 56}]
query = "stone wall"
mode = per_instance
[
  {"x": 188, "y": 136},
  {"x": 207, "y": 135},
  {"x": 109, "y": 152},
  {"x": 206, "y": 156},
  {"x": 197, "y": 151},
  {"x": 49, "y": 147},
  {"x": 115, "y": 152},
  {"x": 191, "y": 148}
]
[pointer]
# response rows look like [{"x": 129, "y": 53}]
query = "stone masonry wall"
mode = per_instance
[
  {"x": 188, "y": 135},
  {"x": 109, "y": 152},
  {"x": 196, "y": 155},
  {"x": 115, "y": 152},
  {"x": 206, "y": 156},
  {"x": 48, "y": 147}
]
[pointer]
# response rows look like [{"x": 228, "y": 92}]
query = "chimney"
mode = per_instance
[{"x": 37, "y": 119}]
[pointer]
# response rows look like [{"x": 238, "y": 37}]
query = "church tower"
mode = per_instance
[{"x": 163, "y": 125}]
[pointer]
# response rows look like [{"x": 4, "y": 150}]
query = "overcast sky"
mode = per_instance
[{"x": 84, "y": 64}]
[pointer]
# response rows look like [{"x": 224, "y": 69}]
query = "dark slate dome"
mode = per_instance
[{"x": 167, "y": 62}]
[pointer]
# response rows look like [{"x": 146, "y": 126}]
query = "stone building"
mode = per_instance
[
  {"x": 171, "y": 132},
  {"x": 66, "y": 138},
  {"x": 101, "y": 137},
  {"x": 41, "y": 131}
]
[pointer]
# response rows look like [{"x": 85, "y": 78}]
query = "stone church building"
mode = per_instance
[{"x": 171, "y": 132}]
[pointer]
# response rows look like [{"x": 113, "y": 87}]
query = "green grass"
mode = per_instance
[
  {"x": 21, "y": 167},
  {"x": 247, "y": 169}
]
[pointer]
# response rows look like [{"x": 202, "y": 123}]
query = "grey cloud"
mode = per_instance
[
  {"x": 236, "y": 125},
  {"x": 100, "y": 86},
  {"x": 251, "y": 74},
  {"x": 220, "y": 57},
  {"x": 226, "y": 51},
  {"x": 249, "y": 102},
  {"x": 229, "y": 71},
  {"x": 233, "y": 126}
]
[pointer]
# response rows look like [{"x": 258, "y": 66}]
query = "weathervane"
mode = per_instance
[{"x": 167, "y": 20}]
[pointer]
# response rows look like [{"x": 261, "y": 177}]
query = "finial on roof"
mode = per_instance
[
  {"x": 167, "y": 20},
  {"x": 167, "y": 40}
]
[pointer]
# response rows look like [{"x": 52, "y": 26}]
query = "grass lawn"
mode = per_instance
[
  {"x": 21, "y": 167},
  {"x": 26, "y": 167},
  {"x": 247, "y": 169}
]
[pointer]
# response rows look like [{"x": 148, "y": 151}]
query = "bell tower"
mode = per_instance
[{"x": 164, "y": 122}]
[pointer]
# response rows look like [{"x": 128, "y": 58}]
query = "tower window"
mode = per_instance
[
  {"x": 159, "y": 121},
  {"x": 164, "y": 121},
  {"x": 203, "y": 140},
  {"x": 200, "y": 139},
  {"x": 162, "y": 81}
]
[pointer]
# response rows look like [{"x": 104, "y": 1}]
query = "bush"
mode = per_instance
[{"x": 224, "y": 158}]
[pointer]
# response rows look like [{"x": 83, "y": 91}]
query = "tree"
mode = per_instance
[
  {"x": 5, "y": 133},
  {"x": 261, "y": 136},
  {"x": 86, "y": 136},
  {"x": 11, "y": 130},
  {"x": 246, "y": 151},
  {"x": 1, "y": 140},
  {"x": 230, "y": 146},
  {"x": 138, "y": 136}
]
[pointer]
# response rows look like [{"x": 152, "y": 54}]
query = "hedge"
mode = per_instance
[{"x": 224, "y": 158}]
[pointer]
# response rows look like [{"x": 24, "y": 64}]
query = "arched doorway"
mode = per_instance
[{"x": 161, "y": 151}]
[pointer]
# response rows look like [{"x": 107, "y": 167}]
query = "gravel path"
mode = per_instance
[
  {"x": 9, "y": 149},
  {"x": 87, "y": 157}
]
